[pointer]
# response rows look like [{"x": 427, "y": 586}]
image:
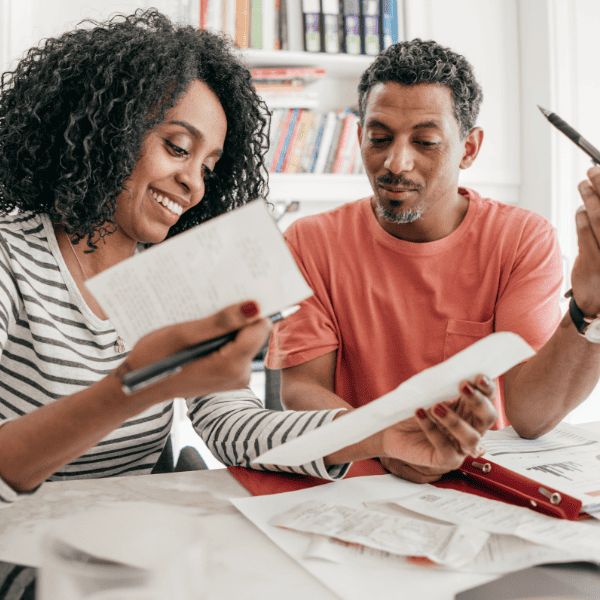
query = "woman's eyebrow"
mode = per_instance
[{"x": 197, "y": 134}]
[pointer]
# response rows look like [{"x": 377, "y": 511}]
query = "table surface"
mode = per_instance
[{"x": 243, "y": 561}]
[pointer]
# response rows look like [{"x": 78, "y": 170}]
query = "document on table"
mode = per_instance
[
  {"x": 240, "y": 255},
  {"x": 451, "y": 506},
  {"x": 566, "y": 459},
  {"x": 492, "y": 356},
  {"x": 449, "y": 545}
]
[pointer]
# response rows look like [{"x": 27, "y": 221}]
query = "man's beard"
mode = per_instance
[{"x": 400, "y": 218}]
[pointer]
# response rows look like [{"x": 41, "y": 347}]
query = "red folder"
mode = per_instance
[{"x": 474, "y": 477}]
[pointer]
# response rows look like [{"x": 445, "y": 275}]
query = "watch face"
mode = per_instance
[{"x": 592, "y": 332}]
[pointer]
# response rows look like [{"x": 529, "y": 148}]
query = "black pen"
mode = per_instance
[
  {"x": 573, "y": 135},
  {"x": 139, "y": 379}
]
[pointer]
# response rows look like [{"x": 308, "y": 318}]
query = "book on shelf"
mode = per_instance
[
  {"x": 295, "y": 19},
  {"x": 228, "y": 17},
  {"x": 286, "y": 135},
  {"x": 389, "y": 12},
  {"x": 311, "y": 25},
  {"x": 292, "y": 136},
  {"x": 297, "y": 143},
  {"x": 309, "y": 152},
  {"x": 306, "y": 74},
  {"x": 277, "y": 118},
  {"x": 371, "y": 27},
  {"x": 337, "y": 134},
  {"x": 256, "y": 24},
  {"x": 277, "y": 25},
  {"x": 324, "y": 142},
  {"x": 345, "y": 147},
  {"x": 291, "y": 99},
  {"x": 242, "y": 23},
  {"x": 269, "y": 23},
  {"x": 284, "y": 126}
]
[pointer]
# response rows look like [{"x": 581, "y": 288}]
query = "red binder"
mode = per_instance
[{"x": 476, "y": 476}]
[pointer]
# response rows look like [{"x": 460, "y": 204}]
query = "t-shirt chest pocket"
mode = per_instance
[{"x": 461, "y": 334}]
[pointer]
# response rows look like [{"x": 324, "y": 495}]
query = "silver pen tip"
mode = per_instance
[{"x": 545, "y": 112}]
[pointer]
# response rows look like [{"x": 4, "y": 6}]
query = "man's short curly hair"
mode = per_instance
[
  {"x": 418, "y": 61},
  {"x": 75, "y": 110}
]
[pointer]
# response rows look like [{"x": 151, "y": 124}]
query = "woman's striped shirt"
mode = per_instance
[{"x": 52, "y": 345}]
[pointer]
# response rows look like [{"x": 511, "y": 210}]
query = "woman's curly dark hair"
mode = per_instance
[
  {"x": 417, "y": 61},
  {"x": 74, "y": 113}
]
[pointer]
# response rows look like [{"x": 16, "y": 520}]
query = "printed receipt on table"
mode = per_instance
[
  {"x": 491, "y": 356},
  {"x": 237, "y": 256}
]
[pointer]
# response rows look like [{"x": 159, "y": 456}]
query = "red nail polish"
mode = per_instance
[
  {"x": 421, "y": 414},
  {"x": 250, "y": 309},
  {"x": 466, "y": 390},
  {"x": 440, "y": 410}
]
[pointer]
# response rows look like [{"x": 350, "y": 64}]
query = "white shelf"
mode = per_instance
[
  {"x": 318, "y": 188},
  {"x": 337, "y": 65}
]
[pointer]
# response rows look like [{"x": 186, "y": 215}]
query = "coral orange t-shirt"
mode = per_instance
[{"x": 392, "y": 308}]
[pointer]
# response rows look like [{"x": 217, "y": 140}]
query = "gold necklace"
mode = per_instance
[{"x": 119, "y": 345}]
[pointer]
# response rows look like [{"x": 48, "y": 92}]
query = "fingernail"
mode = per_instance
[
  {"x": 440, "y": 410},
  {"x": 250, "y": 309},
  {"x": 479, "y": 451},
  {"x": 580, "y": 209},
  {"x": 421, "y": 414},
  {"x": 486, "y": 380},
  {"x": 466, "y": 390}
]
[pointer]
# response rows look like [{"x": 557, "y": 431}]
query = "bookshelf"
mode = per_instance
[{"x": 337, "y": 89}]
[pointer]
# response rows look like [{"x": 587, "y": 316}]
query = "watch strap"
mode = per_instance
[{"x": 577, "y": 316}]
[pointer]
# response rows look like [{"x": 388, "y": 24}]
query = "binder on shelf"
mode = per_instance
[
  {"x": 256, "y": 24},
  {"x": 294, "y": 18},
  {"x": 371, "y": 27},
  {"x": 311, "y": 13},
  {"x": 332, "y": 38},
  {"x": 352, "y": 27},
  {"x": 390, "y": 23}
]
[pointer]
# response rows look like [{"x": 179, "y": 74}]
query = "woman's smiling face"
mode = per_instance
[{"x": 168, "y": 178}]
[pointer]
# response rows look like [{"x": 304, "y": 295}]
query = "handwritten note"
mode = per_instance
[
  {"x": 237, "y": 256},
  {"x": 492, "y": 356}
]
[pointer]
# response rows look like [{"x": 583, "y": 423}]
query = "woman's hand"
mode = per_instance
[
  {"x": 436, "y": 441},
  {"x": 228, "y": 368}
]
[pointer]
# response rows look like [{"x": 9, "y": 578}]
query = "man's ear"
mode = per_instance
[
  {"x": 472, "y": 144},
  {"x": 359, "y": 133}
]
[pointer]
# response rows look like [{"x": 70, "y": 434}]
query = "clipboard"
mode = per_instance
[{"x": 473, "y": 477}]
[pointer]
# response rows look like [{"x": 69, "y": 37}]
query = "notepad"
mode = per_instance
[{"x": 240, "y": 255}]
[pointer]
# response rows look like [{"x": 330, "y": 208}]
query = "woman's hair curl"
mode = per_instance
[
  {"x": 75, "y": 110},
  {"x": 417, "y": 61}
]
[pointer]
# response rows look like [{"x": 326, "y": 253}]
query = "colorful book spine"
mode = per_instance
[
  {"x": 256, "y": 24},
  {"x": 277, "y": 25},
  {"x": 339, "y": 126},
  {"x": 311, "y": 150},
  {"x": 324, "y": 142},
  {"x": 371, "y": 27},
  {"x": 297, "y": 144},
  {"x": 228, "y": 9},
  {"x": 352, "y": 27},
  {"x": 286, "y": 139},
  {"x": 277, "y": 118},
  {"x": 390, "y": 23},
  {"x": 285, "y": 125},
  {"x": 345, "y": 144},
  {"x": 289, "y": 73},
  {"x": 242, "y": 23},
  {"x": 295, "y": 18}
]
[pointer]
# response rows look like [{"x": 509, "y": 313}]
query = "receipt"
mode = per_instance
[{"x": 492, "y": 356}]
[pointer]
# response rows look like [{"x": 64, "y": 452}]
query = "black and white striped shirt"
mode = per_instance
[{"x": 52, "y": 345}]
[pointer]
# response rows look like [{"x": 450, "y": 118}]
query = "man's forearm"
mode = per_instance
[{"x": 542, "y": 391}]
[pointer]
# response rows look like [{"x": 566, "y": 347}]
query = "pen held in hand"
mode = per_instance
[
  {"x": 136, "y": 380},
  {"x": 572, "y": 134}
]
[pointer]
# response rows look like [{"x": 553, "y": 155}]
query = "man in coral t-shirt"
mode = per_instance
[{"x": 409, "y": 277}]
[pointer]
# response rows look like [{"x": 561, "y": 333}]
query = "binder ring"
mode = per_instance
[{"x": 486, "y": 467}]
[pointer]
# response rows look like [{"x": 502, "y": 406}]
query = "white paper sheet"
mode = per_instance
[
  {"x": 363, "y": 574},
  {"x": 237, "y": 256},
  {"x": 448, "y": 545},
  {"x": 492, "y": 356},
  {"x": 566, "y": 459},
  {"x": 580, "y": 538}
]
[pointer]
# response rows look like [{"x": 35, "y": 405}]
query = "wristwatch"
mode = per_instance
[{"x": 588, "y": 327}]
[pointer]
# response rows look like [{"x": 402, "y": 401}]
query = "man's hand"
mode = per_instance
[
  {"x": 585, "y": 277},
  {"x": 434, "y": 442}
]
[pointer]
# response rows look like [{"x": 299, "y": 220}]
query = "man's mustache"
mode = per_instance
[{"x": 397, "y": 180}]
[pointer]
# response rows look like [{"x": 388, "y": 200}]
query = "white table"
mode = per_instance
[{"x": 245, "y": 564}]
